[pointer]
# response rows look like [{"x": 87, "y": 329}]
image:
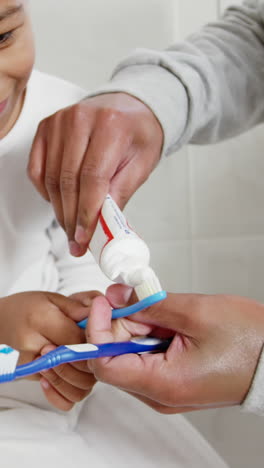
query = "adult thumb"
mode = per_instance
[
  {"x": 178, "y": 313},
  {"x": 120, "y": 295},
  {"x": 99, "y": 325}
]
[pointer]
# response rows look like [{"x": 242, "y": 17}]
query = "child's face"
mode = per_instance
[{"x": 16, "y": 60}]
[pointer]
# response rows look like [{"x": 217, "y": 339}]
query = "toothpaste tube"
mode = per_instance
[{"x": 121, "y": 254}]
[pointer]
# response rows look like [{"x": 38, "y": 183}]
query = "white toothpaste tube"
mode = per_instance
[{"x": 121, "y": 254}]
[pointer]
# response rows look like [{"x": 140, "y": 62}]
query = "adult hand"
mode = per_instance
[
  {"x": 217, "y": 341},
  {"x": 105, "y": 144}
]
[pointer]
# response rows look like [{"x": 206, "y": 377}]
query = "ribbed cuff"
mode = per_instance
[{"x": 161, "y": 92}]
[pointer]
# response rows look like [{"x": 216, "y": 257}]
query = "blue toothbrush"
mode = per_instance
[
  {"x": 71, "y": 353},
  {"x": 137, "y": 307}
]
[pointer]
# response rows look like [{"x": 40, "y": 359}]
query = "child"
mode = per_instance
[{"x": 33, "y": 248}]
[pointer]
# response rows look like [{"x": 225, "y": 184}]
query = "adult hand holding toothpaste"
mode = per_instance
[{"x": 107, "y": 142}]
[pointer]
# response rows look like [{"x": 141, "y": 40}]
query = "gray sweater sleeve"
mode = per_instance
[{"x": 207, "y": 88}]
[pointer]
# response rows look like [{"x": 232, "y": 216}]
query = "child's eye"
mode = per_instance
[{"x": 4, "y": 37}]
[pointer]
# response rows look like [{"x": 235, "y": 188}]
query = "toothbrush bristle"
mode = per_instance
[
  {"x": 8, "y": 362},
  {"x": 149, "y": 286}
]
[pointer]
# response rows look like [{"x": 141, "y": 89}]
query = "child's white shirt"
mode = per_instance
[{"x": 33, "y": 248}]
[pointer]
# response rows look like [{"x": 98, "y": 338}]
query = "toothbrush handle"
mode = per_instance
[
  {"x": 64, "y": 354},
  {"x": 83, "y": 352},
  {"x": 143, "y": 345},
  {"x": 60, "y": 355},
  {"x": 87, "y": 351}
]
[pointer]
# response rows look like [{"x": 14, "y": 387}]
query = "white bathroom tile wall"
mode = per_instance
[
  {"x": 194, "y": 14},
  {"x": 172, "y": 262},
  {"x": 229, "y": 266},
  {"x": 85, "y": 39},
  {"x": 227, "y": 225},
  {"x": 238, "y": 436},
  {"x": 160, "y": 212},
  {"x": 227, "y": 191},
  {"x": 161, "y": 206}
]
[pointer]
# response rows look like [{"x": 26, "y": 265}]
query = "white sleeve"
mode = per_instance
[
  {"x": 254, "y": 401},
  {"x": 75, "y": 274}
]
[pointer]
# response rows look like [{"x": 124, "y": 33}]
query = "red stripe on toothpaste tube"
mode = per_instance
[{"x": 121, "y": 254}]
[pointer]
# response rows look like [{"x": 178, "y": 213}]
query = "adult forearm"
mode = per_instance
[{"x": 207, "y": 88}]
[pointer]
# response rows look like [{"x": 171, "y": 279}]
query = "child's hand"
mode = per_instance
[
  {"x": 32, "y": 320},
  {"x": 67, "y": 384}
]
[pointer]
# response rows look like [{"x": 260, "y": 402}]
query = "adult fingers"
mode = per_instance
[
  {"x": 77, "y": 129},
  {"x": 128, "y": 371},
  {"x": 101, "y": 329},
  {"x": 99, "y": 324},
  {"x": 54, "y": 153},
  {"x": 120, "y": 295},
  {"x": 178, "y": 312},
  {"x": 123, "y": 185},
  {"x": 107, "y": 150},
  {"x": 151, "y": 375},
  {"x": 127, "y": 136}
]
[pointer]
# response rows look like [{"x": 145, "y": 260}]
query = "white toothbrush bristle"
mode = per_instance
[
  {"x": 149, "y": 286},
  {"x": 8, "y": 360}
]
